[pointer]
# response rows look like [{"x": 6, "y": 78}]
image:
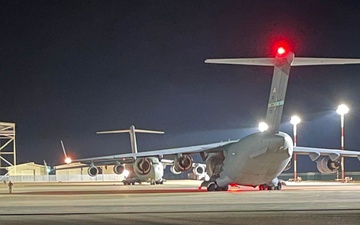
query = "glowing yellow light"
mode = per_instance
[
  {"x": 68, "y": 160},
  {"x": 126, "y": 173}
]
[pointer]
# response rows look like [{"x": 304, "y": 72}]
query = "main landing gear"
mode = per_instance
[
  {"x": 263, "y": 187},
  {"x": 214, "y": 187},
  {"x": 157, "y": 182},
  {"x": 131, "y": 181},
  {"x": 125, "y": 182}
]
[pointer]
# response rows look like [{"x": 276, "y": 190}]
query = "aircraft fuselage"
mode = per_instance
[{"x": 266, "y": 154}]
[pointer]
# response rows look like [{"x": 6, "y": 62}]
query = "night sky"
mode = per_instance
[{"x": 71, "y": 68}]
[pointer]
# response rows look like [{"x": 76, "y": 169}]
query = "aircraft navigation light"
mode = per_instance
[
  {"x": 281, "y": 51},
  {"x": 68, "y": 160},
  {"x": 263, "y": 126}
]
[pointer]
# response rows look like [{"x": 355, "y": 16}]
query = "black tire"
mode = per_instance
[
  {"x": 269, "y": 188},
  {"x": 212, "y": 187},
  {"x": 225, "y": 188}
]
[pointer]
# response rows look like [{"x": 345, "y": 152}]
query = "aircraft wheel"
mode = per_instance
[
  {"x": 212, "y": 187},
  {"x": 271, "y": 188},
  {"x": 225, "y": 188},
  {"x": 261, "y": 187},
  {"x": 218, "y": 188},
  {"x": 279, "y": 186}
]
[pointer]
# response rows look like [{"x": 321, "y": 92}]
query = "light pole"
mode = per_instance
[
  {"x": 342, "y": 110},
  {"x": 295, "y": 120}
]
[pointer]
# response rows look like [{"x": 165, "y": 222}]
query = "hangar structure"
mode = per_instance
[
  {"x": 80, "y": 169},
  {"x": 7, "y": 146},
  {"x": 27, "y": 169}
]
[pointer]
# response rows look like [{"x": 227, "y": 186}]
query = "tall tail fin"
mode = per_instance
[
  {"x": 282, "y": 64},
  {"x": 132, "y": 130},
  {"x": 67, "y": 159},
  {"x": 278, "y": 91}
]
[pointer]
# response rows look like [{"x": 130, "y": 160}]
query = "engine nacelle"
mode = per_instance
[
  {"x": 183, "y": 163},
  {"x": 93, "y": 171},
  {"x": 147, "y": 169},
  {"x": 326, "y": 166},
  {"x": 173, "y": 170},
  {"x": 119, "y": 169},
  {"x": 199, "y": 170},
  {"x": 143, "y": 166}
]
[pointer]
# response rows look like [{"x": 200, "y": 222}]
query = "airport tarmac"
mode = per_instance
[{"x": 178, "y": 202}]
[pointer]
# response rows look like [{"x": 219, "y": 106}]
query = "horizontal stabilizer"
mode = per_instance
[
  {"x": 298, "y": 61},
  {"x": 244, "y": 61},
  {"x": 113, "y": 132},
  {"x": 149, "y": 131},
  {"x": 132, "y": 132},
  {"x": 127, "y": 131}
]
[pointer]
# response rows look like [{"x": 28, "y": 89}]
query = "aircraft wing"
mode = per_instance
[
  {"x": 130, "y": 157},
  {"x": 334, "y": 154}
]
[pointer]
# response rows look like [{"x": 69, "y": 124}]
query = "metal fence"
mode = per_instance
[
  {"x": 64, "y": 178},
  {"x": 321, "y": 177},
  {"x": 355, "y": 176}
]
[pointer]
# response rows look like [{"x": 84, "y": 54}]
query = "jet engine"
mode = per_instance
[
  {"x": 119, "y": 169},
  {"x": 93, "y": 171},
  {"x": 182, "y": 163},
  {"x": 199, "y": 170},
  {"x": 326, "y": 166},
  {"x": 143, "y": 166},
  {"x": 148, "y": 169},
  {"x": 173, "y": 170}
]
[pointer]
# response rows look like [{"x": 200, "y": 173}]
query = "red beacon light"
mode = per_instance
[{"x": 281, "y": 51}]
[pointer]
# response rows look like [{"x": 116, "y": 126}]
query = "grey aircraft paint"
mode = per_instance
[{"x": 257, "y": 159}]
